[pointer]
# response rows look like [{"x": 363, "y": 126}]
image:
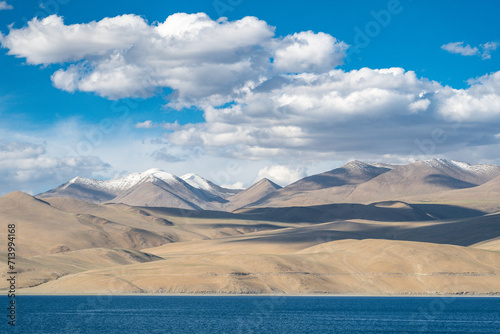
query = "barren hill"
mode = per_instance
[
  {"x": 250, "y": 195},
  {"x": 392, "y": 183}
]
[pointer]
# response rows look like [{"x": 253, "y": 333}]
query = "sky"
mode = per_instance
[{"x": 238, "y": 90}]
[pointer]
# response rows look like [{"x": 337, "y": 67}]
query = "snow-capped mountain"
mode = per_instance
[
  {"x": 423, "y": 177},
  {"x": 355, "y": 182},
  {"x": 114, "y": 186},
  {"x": 153, "y": 187},
  {"x": 353, "y": 172},
  {"x": 359, "y": 182},
  {"x": 480, "y": 173},
  {"x": 198, "y": 182}
]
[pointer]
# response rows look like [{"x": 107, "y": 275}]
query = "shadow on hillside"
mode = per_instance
[
  {"x": 464, "y": 232},
  {"x": 444, "y": 211},
  {"x": 330, "y": 212}
]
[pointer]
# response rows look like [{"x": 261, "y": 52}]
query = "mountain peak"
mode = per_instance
[
  {"x": 476, "y": 169},
  {"x": 437, "y": 162},
  {"x": 153, "y": 171},
  {"x": 196, "y": 181},
  {"x": 268, "y": 182},
  {"x": 356, "y": 164},
  {"x": 20, "y": 197},
  {"x": 254, "y": 193}
]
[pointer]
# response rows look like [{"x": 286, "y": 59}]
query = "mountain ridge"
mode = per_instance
[{"x": 354, "y": 182}]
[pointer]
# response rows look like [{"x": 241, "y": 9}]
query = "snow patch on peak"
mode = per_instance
[
  {"x": 478, "y": 169},
  {"x": 70, "y": 182},
  {"x": 153, "y": 171},
  {"x": 197, "y": 181},
  {"x": 475, "y": 169},
  {"x": 436, "y": 162},
  {"x": 356, "y": 165},
  {"x": 124, "y": 183},
  {"x": 159, "y": 174}
]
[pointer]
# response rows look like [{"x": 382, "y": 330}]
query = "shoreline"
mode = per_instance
[{"x": 496, "y": 295}]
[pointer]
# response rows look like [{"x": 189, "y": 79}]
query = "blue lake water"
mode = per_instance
[{"x": 252, "y": 314}]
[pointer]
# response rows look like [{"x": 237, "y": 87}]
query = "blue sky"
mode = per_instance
[{"x": 305, "y": 103}]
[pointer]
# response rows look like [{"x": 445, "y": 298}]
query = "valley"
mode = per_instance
[{"x": 421, "y": 229}]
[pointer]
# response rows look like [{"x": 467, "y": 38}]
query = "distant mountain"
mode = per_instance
[
  {"x": 153, "y": 187},
  {"x": 355, "y": 182},
  {"x": 358, "y": 182},
  {"x": 354, "y": 172},
  {"x": 485, "y": 197},
  {"x": 198, "y": 182},
  {"x": 423, "y": 177},
  {"x": 250, "y": 195},
  {"x": 325, "y": 188}
]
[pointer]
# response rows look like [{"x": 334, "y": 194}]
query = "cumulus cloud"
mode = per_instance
[
  {"x": 199, "y": 58},
  {"x": 25, "y": 165},
  {"x": 309, "y": 113},
  {"x": 419, "y": 105},
  {"x": 282, "y": 175},
  {"x": 479, "y": 102},
  {"x": 308, "y": 52},
  {"x": 280, "y": 99},
  {"x": 5, "y": 6},
  {"x": 484, "y": 50},
  {"x": 460, "y": 48},
  {"x": 366, "y": 111}
]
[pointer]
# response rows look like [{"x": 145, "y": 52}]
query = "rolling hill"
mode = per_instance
[
  {"x": 426, "y": 228},
  {"x": 365, "y": 183}
]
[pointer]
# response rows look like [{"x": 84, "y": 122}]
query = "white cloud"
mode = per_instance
[
  {"x": 288, "y": 111},
  {"x": 19, "y": 150},
  {"x": 5, "y": 6},
  {"x": 460, "y": 48},
  {"x": 282, "y": 175},
  {"x": 237, "y": 185},
  {"x": 484, "y": 50},
  {"x": 318, "y": 116},
  {"x": 200, "y": 59},
  {"x": 308, "y": 52},
  {"x": 479, "y": 102},
  {"x": 145, "y": 125},
  {"x": 308, "y": 113},
  {"x": 25, "y": 166},
  {"x": 488, "y": 48},
  {"x": 419, "y": 105}
]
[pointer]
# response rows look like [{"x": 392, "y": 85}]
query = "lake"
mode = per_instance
[{"x": 253, "y": 314}]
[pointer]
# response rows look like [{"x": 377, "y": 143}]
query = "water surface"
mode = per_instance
[{"x": 254, "y": 314}]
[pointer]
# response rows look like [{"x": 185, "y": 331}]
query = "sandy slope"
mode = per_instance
[
  {"x": 419, "y": 180},
  {"x": 44, "y": 229},
  {"x": 346, "y": 266},
  {"x": 61, "y": 224},
  {"x": 70, "y": 246},
  {"x": 321, "y": 258},
  {"x": 36, "y": 270},
  {"x": 250, "y": 195},
  {"x": 485, "y": 197}
]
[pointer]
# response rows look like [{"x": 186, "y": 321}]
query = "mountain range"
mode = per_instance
[
  {"x": 153, "y": 187},
  {"x": 355, "y": 182},
  {"x": 428, "y": 227}
]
